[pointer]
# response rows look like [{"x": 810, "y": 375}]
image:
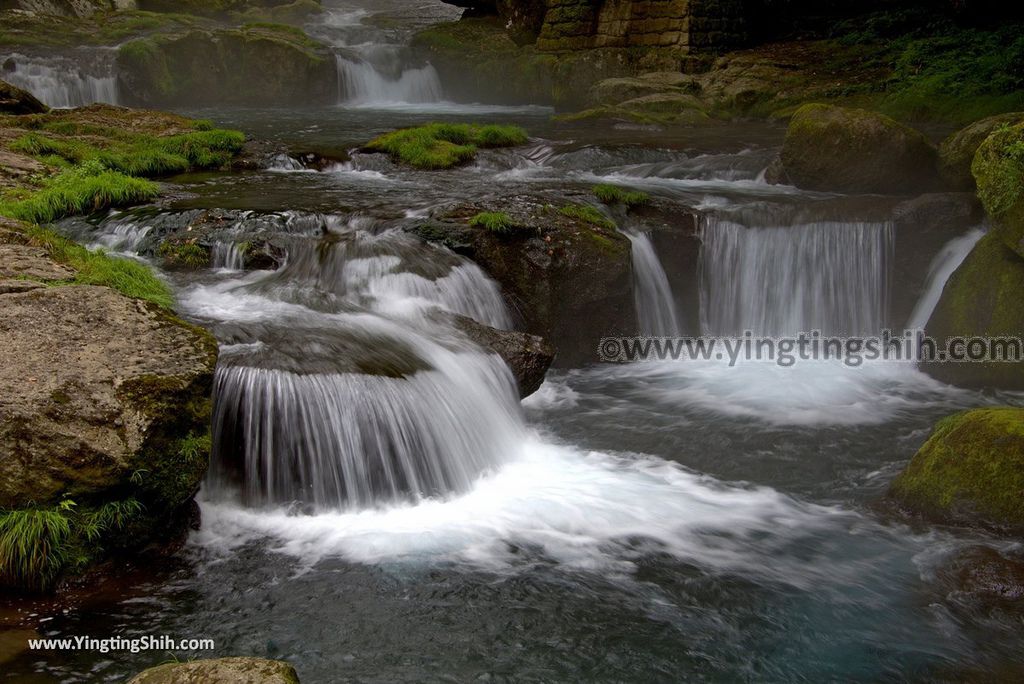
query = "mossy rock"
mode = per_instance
[
  {"x": 840, "y": 149},
  {"x": 956, "y": 153},
  {"x": 970, "y": 471},
  {"x": 982, "y": 298},
  {"x": 998, "y": 169},
  {"x": 255, "y": 64},
  {"x": 239, "y": 670}
]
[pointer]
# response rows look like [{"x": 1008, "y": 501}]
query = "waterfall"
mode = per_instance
[
  {"x": 60, "y": 81},
  {"x": 361, "y": 83},
  {"x": 829, "y": 276},
  {"x": 942, "y": 267},
  {"x": 655, "y": 305},
  {"x": 228, "y": 255}
]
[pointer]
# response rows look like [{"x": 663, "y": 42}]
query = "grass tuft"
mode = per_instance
[
  {"x": 33, "y": 545},
  {"x": 587, "y": 214},
  {"x": 497, "y": 222},
  {"x": 444, "y": 145},
  {"x": 613, "y": 194}
]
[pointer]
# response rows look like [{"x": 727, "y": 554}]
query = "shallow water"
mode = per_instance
[{"x": 644, "y": 522}]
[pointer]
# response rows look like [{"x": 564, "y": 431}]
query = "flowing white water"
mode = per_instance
[
  {"x": 229, "y": 256},
  {"x": 826, "y": 276},
  {"x": 63, "y": 81},
  {"x": 942, "y": 267},
  {"x": 655, "y": 304},
  {"x": 360, "y": 83}
]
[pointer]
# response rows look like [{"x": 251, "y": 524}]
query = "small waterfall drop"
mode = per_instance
[
  {"x": 228, "y": 255},
  {"x": 942, "y": 267},
  {"x": 361, "y": 83},
  {"x": 655, "y": 304},
  {"x": 60, "y": 81},
  {"x": 829, "y": 276}
]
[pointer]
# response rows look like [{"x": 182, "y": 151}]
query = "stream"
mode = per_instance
[{"x": 383, "y": 508}]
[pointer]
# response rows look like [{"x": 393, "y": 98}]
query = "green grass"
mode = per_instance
[
  {"x": 444, "y": 145},
  {"x": 33, "y": 545},
  {"x": 587, "y": 214},
  {"x": 128, "y": 277},
  {"x": 81, "y": 189},
  {"x": 187, "y": 254},
  {"x": 497, "y": 222},
  {"x": 613, "y": 194}
]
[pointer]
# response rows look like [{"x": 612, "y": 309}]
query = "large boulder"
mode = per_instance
[
  {"x": 566, "y": 274},
  {"x": 14, "y": 100},
  {"x": 104, "y": 410},
  {"x": 998, "y": 169},
  {"x": 527, "y": 356},
  {"x": 982, "y": 298},
  {"x": 969, "y": 472},
  {"x": 256, "y": 64},
  {"x": 839, "y": 149},
  {"x": 956, "y": 153},
  {"x": 220, "y": 671}
]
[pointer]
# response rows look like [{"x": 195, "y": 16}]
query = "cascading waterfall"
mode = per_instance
[
  {"x": 942, "y": 267},
  {"x": 228, "y": 255},
  {"x": 829, "y": 276},
  {"x": 361, "y": 83},
  {"x": 655, "y": 303},
  {"x": 60, "y": 81}
]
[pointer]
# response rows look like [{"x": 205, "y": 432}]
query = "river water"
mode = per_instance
[{"x": 381, "y": 507}]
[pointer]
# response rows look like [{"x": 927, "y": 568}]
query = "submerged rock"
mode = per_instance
[
  {"x": 956, "y": 153},
  {"x": 104, "y": 411},
  {"x": 982, "y": 298},
  {"x": 969, "y": 472},
  {"x": 982, "y": 577},
  {"x": 14, "y": 100},
  {"x": 838, "y": 149},
  {"x": 528, "y": 356},
  {"x": 565, "y": 269},
  {"x": 225, "y": 670}
]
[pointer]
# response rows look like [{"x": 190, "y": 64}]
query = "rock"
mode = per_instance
[
  {"x": 957, "y": 151},
  {"x": 528, "y": 356},
  {"x": 853, "y": 150},
  {"x": 220, "y": 671},
  {"x": 982, "y": 298},
  {"x": 14, "y": 100},
  {"x": 257, "y": 64},
  {"x": 969, "y": 472},
  {"x": 982, "y": 576},
  {"x": 612, "y": 91},
  {"x": 101, "y": 393},
  {"x": 569, "y": 281},
  {"x": 998, "y": 169}
]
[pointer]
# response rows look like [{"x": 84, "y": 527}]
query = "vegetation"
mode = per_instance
[
  {"x": 185, "y": 254},
  {"x": 587, "y": 214},
  {"x": 614, "y": 194},
  {"x": 444, "y": 145},
  {"x": 999, "y": 170},
  {"x": 497, "y": 222},
  {"x": 128, "y": 277},
  {"x": 82, "y": 189}
]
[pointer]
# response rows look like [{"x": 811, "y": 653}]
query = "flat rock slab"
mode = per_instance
[
  {"x": 28, "y": 261},
  {"x": 220, "y": 671}
]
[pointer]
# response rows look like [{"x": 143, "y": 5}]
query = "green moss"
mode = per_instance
[
  {"x": 96, "y": 268},
  {"x": 614, "y": 194},
  {"x": 998, "y": 169},
  {"x": 971, "y": 469},
  {"x": 82, "y": 189},
  {"x": 587, "y": 214},
  {"x": 185, "y": 254},
  {"x": 497, "y": 222},
  {"x": 444, "y": 145}
]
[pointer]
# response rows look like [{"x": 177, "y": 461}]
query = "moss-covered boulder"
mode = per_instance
[
  {"x": 970, "y": 471},
  {"x": 998, "y": 169},
  {"x": 982, "y": 298},
  {"x": 840, "y": 149},
  {"x": 564, "y": 268},
  {"x": 956, "y": 153},
  {"x": 14, "y": 100},
  {"x": 222, "y": 670},
  {"x": 256, "y": 64},
  {"x": 104, "y": 413}
]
